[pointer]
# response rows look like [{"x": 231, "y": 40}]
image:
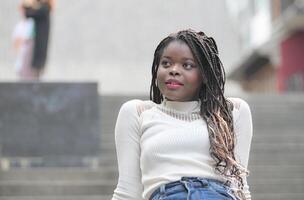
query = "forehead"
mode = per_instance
[{"x": 177, "y": 48}]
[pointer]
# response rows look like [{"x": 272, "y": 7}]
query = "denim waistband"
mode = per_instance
[{"x": 195, "y": 181}]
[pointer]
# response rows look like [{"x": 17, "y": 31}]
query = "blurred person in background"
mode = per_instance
[
  {"x": 40, "y": 13},
  {"x": 23, "y": 43}
]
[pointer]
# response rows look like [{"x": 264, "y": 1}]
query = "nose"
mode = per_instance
[{"x": 174, "y": 70}]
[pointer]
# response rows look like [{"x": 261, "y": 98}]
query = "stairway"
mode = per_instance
[
  {"x": 70, "y": 183},
  {"x": 276, "y": 163},
  {"x": 277, "y": 154}
]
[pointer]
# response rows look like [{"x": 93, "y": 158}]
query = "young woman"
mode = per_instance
[{"x": 189, "y": 142}]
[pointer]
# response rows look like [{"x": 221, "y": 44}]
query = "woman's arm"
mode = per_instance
[
  {"x": 243, "y": 131},
  {"x": 127, "y": 139}
]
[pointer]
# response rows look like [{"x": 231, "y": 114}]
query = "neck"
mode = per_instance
[{"x": 182, "y": 106}]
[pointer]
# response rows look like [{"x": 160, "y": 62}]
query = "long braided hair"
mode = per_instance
[{"x": 215, "y": 109}]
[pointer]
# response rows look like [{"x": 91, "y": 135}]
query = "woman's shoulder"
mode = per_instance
[
  {"x": 239, "y": 103},
  {"x": 241, "y": 108},
  {"x": 137, "y": 106}
]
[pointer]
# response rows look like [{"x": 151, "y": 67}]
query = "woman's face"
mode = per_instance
[{"x": 178, "y": 76}]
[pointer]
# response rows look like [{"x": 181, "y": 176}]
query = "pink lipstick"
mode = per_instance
[{"x": 173, "y": 84}]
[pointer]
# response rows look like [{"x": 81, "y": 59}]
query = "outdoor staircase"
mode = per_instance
[
  {"x": 78, "y": 183},
  {"x": 277, "y": 153},
  {"x": 276, "y": 162}
]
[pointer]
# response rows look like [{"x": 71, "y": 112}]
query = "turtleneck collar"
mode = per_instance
[{"x": 187, "y": 106}]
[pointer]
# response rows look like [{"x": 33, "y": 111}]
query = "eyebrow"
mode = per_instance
[{"x": 168, "y": 57}]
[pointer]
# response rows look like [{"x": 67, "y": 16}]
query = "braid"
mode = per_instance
[
  {"x": 155, "y": 94},
  {"x": 215, "y": 109}
]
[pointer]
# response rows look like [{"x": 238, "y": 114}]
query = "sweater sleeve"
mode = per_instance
[
  {"x": 243, "y": 131},
  {"x": 127, "y": 137}
]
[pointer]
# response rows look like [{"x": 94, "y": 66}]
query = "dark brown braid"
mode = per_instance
[{"x": 215, "y": 109}]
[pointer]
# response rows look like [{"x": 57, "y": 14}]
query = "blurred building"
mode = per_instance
[
  {"x": 110, "y": 41},
  {"x": 271, "y": 34}
]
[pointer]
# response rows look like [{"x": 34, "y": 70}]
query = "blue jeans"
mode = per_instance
[{"x": 193, "y": 188}]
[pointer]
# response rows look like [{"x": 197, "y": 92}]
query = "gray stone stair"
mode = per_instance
[
  {"x": 70, "y": 183},
  {"x": 58, "y": 174},
  {"x": 276, "y": 162},
  {"x": 88, "y": 197},
  {"x": 277, "y": 154}
]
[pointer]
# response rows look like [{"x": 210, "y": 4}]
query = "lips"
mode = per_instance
[{"x": 173, "y": 84}]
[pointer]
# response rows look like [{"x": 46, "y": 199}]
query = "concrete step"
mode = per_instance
[
  {"x": 286, "y": 124},
  {"x": 276, "y": 131},
  {"x": 290, "y": 137},
  {"x": 280, "y": 159},
  {"x": 87, "y": 197},
  {"x": 274, "y": 185},
  {"x": 59, "y": 174},
  {"x": 275, "y": 148},
  {"x": 283, "y": 172},
  {"x": 56, "y": 188},
  {"x": 107, "y": 159},
  {"x": 278, "y": 196},
  {"x": 261, "y": 99}
]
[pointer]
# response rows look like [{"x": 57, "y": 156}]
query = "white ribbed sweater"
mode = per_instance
[{"x": 158, "y": 144}]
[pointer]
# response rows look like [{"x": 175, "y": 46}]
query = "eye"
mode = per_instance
[
  {"x": 165, "y": 63},
  {"x": 188, "y": 65}
]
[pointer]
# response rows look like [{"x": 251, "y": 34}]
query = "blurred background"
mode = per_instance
[{"x": 100, "y": 55}]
